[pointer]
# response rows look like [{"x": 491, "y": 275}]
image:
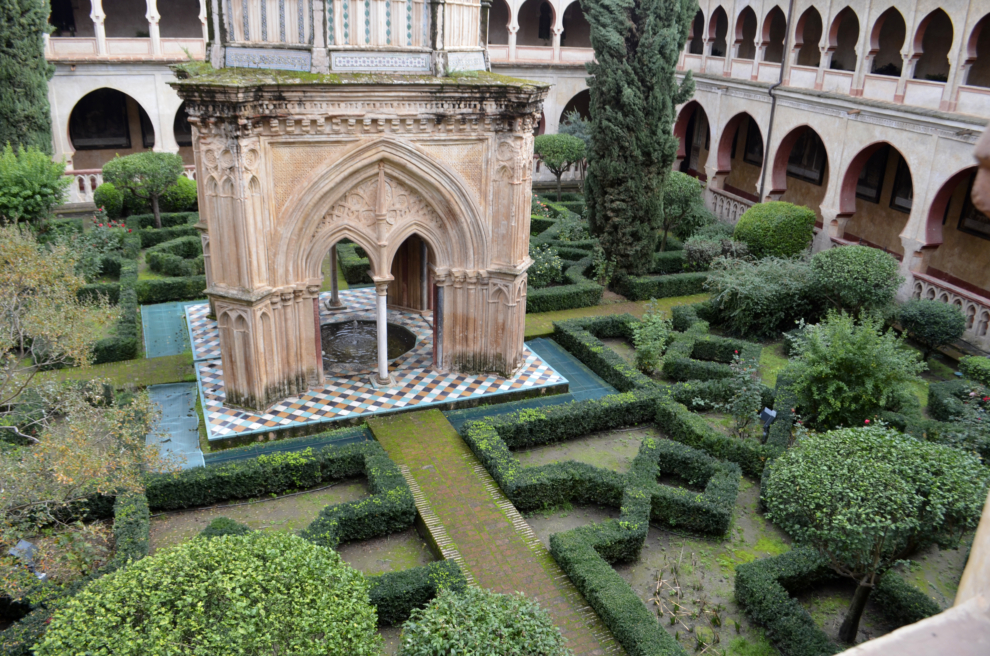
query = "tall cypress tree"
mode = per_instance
[
  {"x": 25, "y": 117},
  {"x": 633, "y": 94}
]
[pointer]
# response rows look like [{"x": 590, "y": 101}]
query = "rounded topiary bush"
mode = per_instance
[
  {"x": 180, "y": 197},
  {"x": 258, "y": 593},
  {"x": 976, "y": 367},
  {"x": 932, "y": 323},
  {"x": 111, "y": 200},
  {"x": 856, "y": 278},
  {"x": 223, "y": 526},
  {"x": 776, "y": 228},
  {"x": 479, "y": 622}
]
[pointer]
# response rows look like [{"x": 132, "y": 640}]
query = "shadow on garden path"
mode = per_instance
[{"x": 495, "y": 543}]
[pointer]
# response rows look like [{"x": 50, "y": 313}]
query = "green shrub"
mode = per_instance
[
  {"x": 761, "y": 298},
  {"x": 650, "y": 336},
  {"x": 178, "y": 257},
  {"x": 146, "y": 175},
  {"x": 478, "y": 621},
  {"x": 212, "y": 590},
  {"x": 152, "y": 236},
  {"x": 845, "y": 371},
  {"x": 223, "y": 526},
  {"x": 109, "y": 290},
  {"x": 582, "y": 337},
  {"x": 641, "y": 288},
  {"x": 576, "y": 292},
  {"x": 396, "y": 594},
  {"x": 547, "y": 267},
  {"x": 976, "y": 367},
  {"x": 539, "y": 224},
  {"x": 131, "y": 527},
  {"x": 763, "y": 590},
  {"x": 169, "y": 220},
  {"x": 700, "y": 252},
  {"x": 124, "y": 344},
  {"x": 856, "y": 278},
  {"x": 163, "y": 290},
  {"x": 354, "y": 266},
  {"x": 932, "y": 323},
  {"x": 180, "y": 197},
  {"x": 902, "y": 603},
  {"x": 111, "y": 200},
  {"x": 31, "y": 184},
  {"x": 776, "y": 229},
  {"x": 669, "y": 262}
]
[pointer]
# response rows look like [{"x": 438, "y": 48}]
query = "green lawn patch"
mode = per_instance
[{"x": 134, "y": 373}]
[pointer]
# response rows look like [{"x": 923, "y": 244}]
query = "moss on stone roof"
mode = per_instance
[{"x": 203, "y": 74}]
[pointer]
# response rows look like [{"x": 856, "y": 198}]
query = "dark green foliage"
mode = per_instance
[
  {"x": 110, "y": 290},
  {"x": 180, "y": 197},
  {"x": 131, "y": 526},
  {"x": 669, "y": 262},
  {"x": 123, "y": 345},
  {"x": 163, "y": 290},
  {"x": 945, "y": 399},
  {"x": 785, "y": 404},
  {"x": 695, "y": 355},
  {"x": 700, "y": 252},
  {"x": 538, "y": 224},
  {"x": 582, "y": 337},
  {"x": 558, "y": 152},
  {"x": 763, "y": 590},
  {"x": 685, "y": 316},
  {"x": 932, "y": 323},
  {"x": 633, "y": 95},
  {"x": 397, "y": 594},
  {"x": 169, "y": 220},
  {"x": 31, "y": 184},
  {"x": 856, "y": 278},
  {"x": 900, "y": 602},
  {"x": 580, "y": 292},
  {"x": 111, "y": 200},
  {"x": 223, "y": 526},
  {"x": 709, "y": 513},
  {"x": 704, "y": 394},
  {"x": 776, "y": 229},
  {"x": 976, "y": 367},
  {"x": 641, "y": 288},
  {"x": 355, "y": 266},
  {"x": 179, "y": 257},
  {"x": 152, "y": 236},
  {"x": 147, "y": 175},
  {"x": 25, "y": 118},
  {"x": 762, "y": 298}
]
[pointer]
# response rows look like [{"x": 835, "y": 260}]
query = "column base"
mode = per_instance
[
  {"x": 334, "y": 308},
  {"x": 379, "y": 384}
]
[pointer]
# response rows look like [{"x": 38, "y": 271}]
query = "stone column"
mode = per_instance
[
  {"x": 154, "y": 32},
  {"x": 202, "y": 20},
  {"x": 513, "y": 30},
  {"x": 321, "y": 58},
  {"x": 486, "y": 6},
  {"x": 424, "y": 275},
  {"x": 334, "y": 304},
  {"x": 98, "y": 18},
  {"x": 556, "y": 31},
  {"x": 382, "y": 378}
]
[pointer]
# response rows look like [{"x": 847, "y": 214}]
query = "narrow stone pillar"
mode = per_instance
[
  {"x": 513, "y": 30},
  {"x": 382, "y": 378},
  {"x": 438, "y": 327},
  {"x": 424, "y": 275},
  {"x": 202, "y": 20},
  {"x": 154, "y": 32},
  {"x": 98, "y": 17},
  {"x": 334, "y": 304},
  {"x": 556, "y": 31}
]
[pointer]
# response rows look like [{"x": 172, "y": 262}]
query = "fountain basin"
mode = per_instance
[{"x": 353, "y": 345}]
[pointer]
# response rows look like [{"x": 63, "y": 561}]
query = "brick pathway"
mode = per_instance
[{"x": 495, "y": 543}]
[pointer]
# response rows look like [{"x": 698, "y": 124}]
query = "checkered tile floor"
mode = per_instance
[{"x": 349, "y": 394}]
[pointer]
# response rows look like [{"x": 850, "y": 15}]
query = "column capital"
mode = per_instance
[
  {"x": 96, "y": 13},
  {"x": 381, "y": 288},
  {"x": 152, "y": 14}
]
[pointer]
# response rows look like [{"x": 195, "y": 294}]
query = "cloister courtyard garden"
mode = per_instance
[{"x": 359, "y": 386}]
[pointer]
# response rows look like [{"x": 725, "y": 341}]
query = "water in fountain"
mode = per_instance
[{"x": 353, "y": 345}]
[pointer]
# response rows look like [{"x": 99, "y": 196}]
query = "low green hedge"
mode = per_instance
[
  {"x": 355, "y": 266},
  {"x": 763, "y": 590},
  {"x": 695, "y": 355},
  {"x": 131, "y": 527},
  {"x": 124, "y": 344},
  {"x": 700, "y": 395},
  {"x": 900, "y": 602},
  {"x": 685, "y": 316},
  {"x": 397, "y": 594},
  {"x": 152, "y": 236},
  {"x": 582, "y": 337},
  {"x": 669, "y": 262},
  {"x": 92, "y": 292},
  {"x": 538, "y": 224},
  {"x": 180, "y": 257},
  {"x": 163, "y": 290},
  {"x": 944, "y": 399},
  {"x": 709, "y": 513},
  {"x": 642, "y": 288},
  {"x": 169, "y": 220},
  {"x": 578, "y": 293}
]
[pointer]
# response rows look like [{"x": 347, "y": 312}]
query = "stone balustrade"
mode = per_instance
[
  {"x": 726, "y": 206},
  {"x": 85, "y": 182},
  {"x": 975, "y": 308}
]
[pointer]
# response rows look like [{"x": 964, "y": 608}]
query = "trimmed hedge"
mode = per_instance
[
  {"x": 763, "y": 590},
  {"x": 178, "y": 257},
  {"x": 152, "y": 237},
  {"x": 579, "y": 293},
  {"x": 163, "y": 290},
  {"x": 710, "y": 392},
  {"x": 397, "y": 594},
  {"x": 131, "y": 527},
  {"x": 776, "y": 228},
  {"x": 354, "y": 266},
  {"x": 223, "y": 526},
  {"x": 976, "y": 367},
  {"x": 900, "y": 602},
  {"x": 582, "y": 337},
  {"x": 538, "y": 224},
  {"x": 92, "y": 292},
  {"x": 124, "y": 345},
  {"x": 669, "y": 262},
  {"x": 642, "y": 288},
  {"x": 695, "y": 355},
  {"x": 169, "y": 220},
  {"x": 944, "y": 399}
]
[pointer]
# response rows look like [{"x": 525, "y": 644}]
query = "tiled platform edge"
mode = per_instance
[{"x": 494, "y": 542}]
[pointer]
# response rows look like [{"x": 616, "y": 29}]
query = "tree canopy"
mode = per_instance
[
  {"x": 558, "y": 152},
  {"x": 634, "y": 93},
  {"x": 147, "y": 175},
  {"x": 25, "y": 116}
]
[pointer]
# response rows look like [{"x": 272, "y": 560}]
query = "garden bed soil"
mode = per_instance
[
  {"x": 284, "y": 513},
  {"x": 390, "y": 553},
  {"x": 566, "y": 517},
  {"x": 614, "y": 450},
  {"x": 622, "y": 348},
  {"x": 391, "y": 635},
  {"x": 726, "y": 425}
]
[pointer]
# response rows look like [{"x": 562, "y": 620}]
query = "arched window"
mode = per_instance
[
  {"x": 697, "y": 38},
  {"x": 718, "y": 27},
  {"x": 746, "y": 33},
  {"x": 774, "y": 31},
  {"x": 577, "y": 31},
  {"x": 535, "y": 21},
  {"x": 181, "y": 127},
  {"x": 498, "y": 23},
  {"x": 886, "y": 42},
  {"x": 807, "y": 37},
  {"x": 979, "y": 54},
  {"x": 933, "y": 40},
  {"x": 107, "y": 118},
  {"x": 842, "y": 39}
]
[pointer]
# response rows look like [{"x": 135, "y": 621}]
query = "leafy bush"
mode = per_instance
[
  {"x": 761, "y": 298},
  {"x": 147, "y": 175},
  {"x": 650, "y": 337},
  {"x": 547, "y": 267},
  {"x": 223, "y": 526},
  {"x": 747, "y": 397},
  {"x": 397, "y": 594},
  {"x": 845, "y": 371},
  {"x": 701, "y": 251},
  {"x": 169, "y": 220},
  {"x": 776, "y": 229},
  {"x": 217, "y": 594},
  {"x": 177, "y": 257},
  {"x": 684, "y": 208},
  {"x": 478, "y": 621},
  {"x": 901, "y": 602},
  {"x": 31, "y": 184},
  {"x": 932, "y": 323},
  {"x": 111, "y": 200},
  {"x": 558, "y": 152},
  {"x": 641, "y": 288},
  {"x": 856, "y": 278},
  {"x": 180, "y": 197},
  {"x": 163, "y": 290},
  {"x": 976, "y": 367},
  {"x": 577, "y": 291}
]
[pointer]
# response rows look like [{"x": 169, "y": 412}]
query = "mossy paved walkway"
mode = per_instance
[{"x": 495, "y": 543}]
